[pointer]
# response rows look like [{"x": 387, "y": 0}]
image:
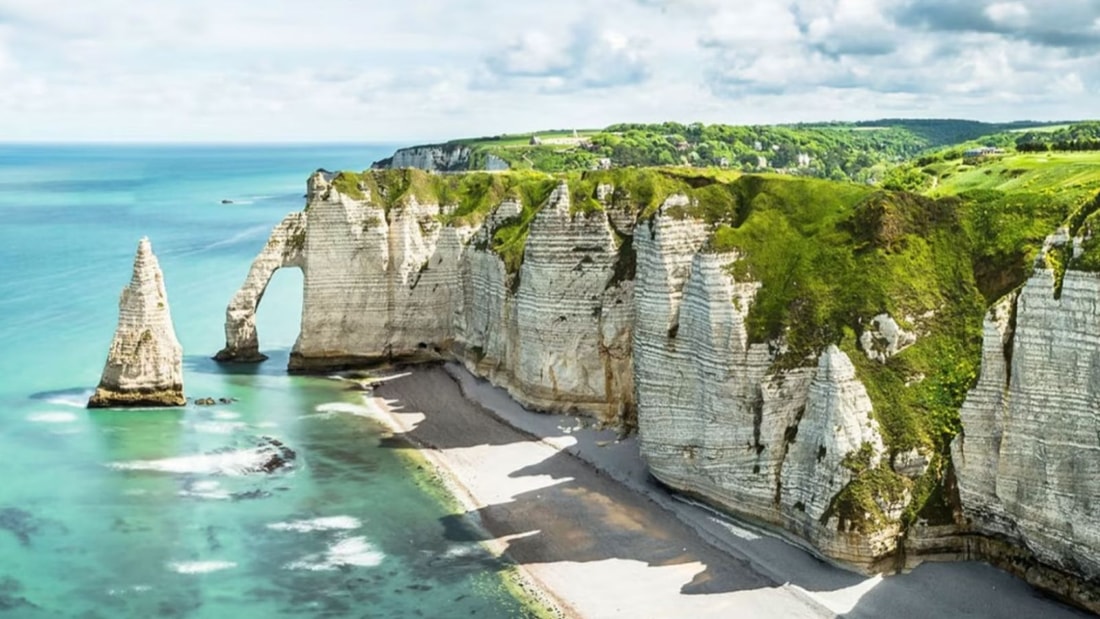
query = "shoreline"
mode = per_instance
[
  {"x": 518, "y": 581},
  {"x": 592, "y": 546},
  {"x": 494, "y": 455}
]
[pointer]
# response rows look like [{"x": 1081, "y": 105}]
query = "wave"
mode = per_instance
[
  {"x": 348, "y": 552},
  {"x": 200, "y": 567},
  {"x": 332, "y": 408},
  {"x": 218, "y": 427},
  {"x": 129, "y": 590},
  {"x": 52, "y": 417},
  {"x": 206, "y": 490},
  {"x": 248, "y": 234},
  {"x": 268, "y": 457},
  {"x": 328, "y": 523},
  {"x": 73, "y": 398}
]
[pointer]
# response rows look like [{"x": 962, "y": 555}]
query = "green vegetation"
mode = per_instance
[
  {"x": 1076, "y": 137},
  {"x": 857, "y": 505},
  {"x": 862, "y": 152},
  {"x": 934, "y": 245}
]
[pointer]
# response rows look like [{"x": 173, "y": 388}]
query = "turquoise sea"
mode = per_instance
[{"x": 137, "y": 513}]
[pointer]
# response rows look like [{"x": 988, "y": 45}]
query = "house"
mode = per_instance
[{"x": 974, "y": 153}]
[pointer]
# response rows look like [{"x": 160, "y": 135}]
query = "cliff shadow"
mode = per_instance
[
  {"x": 963, "y": 589},
  {"x": 554, "y": 507},
  {"x": 562, "y": 509}
]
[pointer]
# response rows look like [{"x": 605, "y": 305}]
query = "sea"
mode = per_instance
[{"x": 154, "y": 513}]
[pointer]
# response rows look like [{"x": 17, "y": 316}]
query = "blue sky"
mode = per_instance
[{"x": 426, "y": 69}]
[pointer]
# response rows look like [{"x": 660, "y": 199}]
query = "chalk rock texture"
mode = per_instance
[
  {"x": 716, "y": 422},
  {"x": 392, "y": 283},
  {"x": 145, "y": 362},
  {"x": 442, "y": 158},
  {"x": 283, "y": 249},
  {"x": 633, "y": 320},
  {"x": 1028, "y": 459},
  {"x": 883, "y": 338}
]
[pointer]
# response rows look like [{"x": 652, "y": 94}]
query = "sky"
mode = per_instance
[{"x": 421, "y": 70}]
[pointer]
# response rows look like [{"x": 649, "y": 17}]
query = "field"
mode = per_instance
[
  {"x": 1073, "y": 175},
  {"x": 523, "y": 139}
]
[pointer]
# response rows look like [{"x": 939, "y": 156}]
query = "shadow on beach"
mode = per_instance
[
  {"x": 580, "y": 515},
  {"x": 577, "y": 513}
]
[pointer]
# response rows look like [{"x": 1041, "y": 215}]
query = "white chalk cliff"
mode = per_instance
[
  {"x": 1028, "y": 459},
  {"x": 145, "y": 362},
  {"x": 635, "y": 322}
]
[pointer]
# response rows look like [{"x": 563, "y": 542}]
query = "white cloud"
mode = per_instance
[
  {"x": 1012, "y": 14},
  {"x": 422, "y": 69},
  {"x": 584, "y": 56}
]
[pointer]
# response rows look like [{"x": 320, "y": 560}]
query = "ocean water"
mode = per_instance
[{"x": 148, "y": 513}]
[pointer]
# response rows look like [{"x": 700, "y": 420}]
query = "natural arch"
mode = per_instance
[{"x": 283, "y": 249}]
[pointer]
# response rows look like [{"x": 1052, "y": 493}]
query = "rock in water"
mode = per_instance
[{"x": 145, "y": 363}]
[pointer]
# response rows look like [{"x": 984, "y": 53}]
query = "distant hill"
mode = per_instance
[{"x": 860, "y": 151}]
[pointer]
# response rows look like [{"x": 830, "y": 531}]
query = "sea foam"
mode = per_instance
[
  {"x": 328, "y": 523},
  {"x": 71, "y": 399},
  {"x": 342, "y": 407},
  {"x": 348, "y": 552},
  {"x": 233, "y": 463},
  {"x": 52, "y": 417},
  {"x": 200, "y": 567}
]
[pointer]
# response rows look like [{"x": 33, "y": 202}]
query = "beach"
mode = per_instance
[{"x": 573, "y": 508}]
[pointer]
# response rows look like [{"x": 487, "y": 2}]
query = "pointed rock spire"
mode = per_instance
[{"x": 145, "y": 362}]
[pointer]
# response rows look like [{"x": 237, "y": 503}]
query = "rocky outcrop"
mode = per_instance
[
  {"x": 145, "y": 362},
  {"x": 1028, "y": 459},
  {"x": 384, "y": 283},
  {"x": 884, "y": 338},
  {"x": 566, "y": 342},
  {"x": 439, "y": 158},
  {"x": 283, "y": 249},
  {"x": 716, "y": 421}
]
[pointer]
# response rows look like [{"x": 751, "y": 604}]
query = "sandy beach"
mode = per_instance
[{"x": 574, "y": 509}]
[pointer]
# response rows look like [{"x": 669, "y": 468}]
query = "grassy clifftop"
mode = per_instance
[{"x": 829, "y": 256}]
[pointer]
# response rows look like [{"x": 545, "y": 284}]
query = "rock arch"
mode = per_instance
[{"x": 284, "y": 249}]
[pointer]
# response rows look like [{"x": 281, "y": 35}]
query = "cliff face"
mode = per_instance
[
  {"x": 1028, "y": 459},
  {"x": 630, "y": 304},
  {"x": 145, "y": 362},
  {"x": 283, "y": 249},
  {"x": 393, "y": 283},
  {"x": 716, "y": 421},
  {"x": 624, "y": 319},
  {"x": 440, "y": 158}
]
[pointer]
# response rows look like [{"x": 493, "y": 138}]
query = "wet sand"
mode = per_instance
[{"x": 573, "y": 507}]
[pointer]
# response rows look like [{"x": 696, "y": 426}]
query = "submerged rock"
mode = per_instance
[
  {"x": 278, "y": 456},
  {"x": 145, "y": 362}
]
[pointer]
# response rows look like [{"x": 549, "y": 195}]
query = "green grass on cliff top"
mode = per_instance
[
  {"x": 829, "y": 256},
  {"x": 1059, "y": 175}
]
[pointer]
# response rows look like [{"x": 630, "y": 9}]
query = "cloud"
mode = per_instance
[
  {"x": 846, "y": 28},
  {"x": 1063, "y": 24},
  {"x": 422, "y": 69},
  {"x": 583, "y": 57},
  {"x": 978, "y": 58}
]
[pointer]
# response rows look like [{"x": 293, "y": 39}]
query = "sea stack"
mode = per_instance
[{"x": 145, "y": 363}]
